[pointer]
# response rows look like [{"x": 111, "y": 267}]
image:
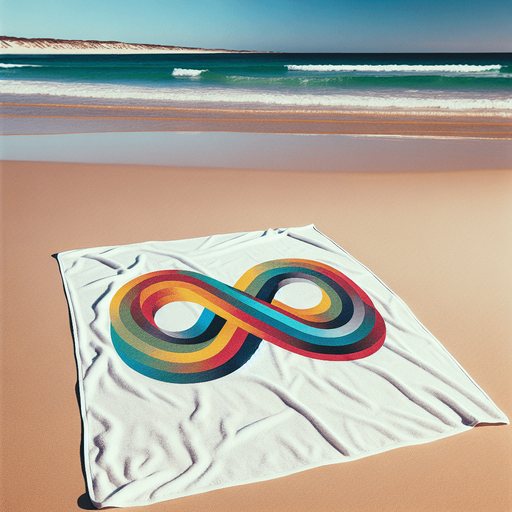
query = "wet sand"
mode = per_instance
[
  {"x": 39, "y": 118},
  {"x": 264, "y": 151},
  {"x": 440, "y": 240}
]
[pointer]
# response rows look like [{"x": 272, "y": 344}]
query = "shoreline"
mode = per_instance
[
  {"x": 52, "y": 117},
  {"x": 418, "y": 112}
]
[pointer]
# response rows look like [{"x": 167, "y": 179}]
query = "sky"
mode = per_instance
[{"x": 272, "y": 25}]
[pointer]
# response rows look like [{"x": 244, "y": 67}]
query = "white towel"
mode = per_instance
[{"x": 224, "y": 360}]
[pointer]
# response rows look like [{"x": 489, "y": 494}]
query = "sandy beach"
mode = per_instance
[
  {"x": 387, "y": 130},
  {"x": 421, "y": 196},
  {"x": 440, "y": 240}
]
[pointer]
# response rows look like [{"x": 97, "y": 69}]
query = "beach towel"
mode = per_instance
[{"x": 229, "y": 359}]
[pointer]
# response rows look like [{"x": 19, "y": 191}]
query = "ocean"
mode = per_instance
[{"x": 478, "y": 84}]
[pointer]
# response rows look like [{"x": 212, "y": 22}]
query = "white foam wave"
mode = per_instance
[
  {"x": 187, "y": 72},
  {"x": 407, "y": 68},
  {"x": 269, "y": 98},
  {"x": 19, "y": 65}
]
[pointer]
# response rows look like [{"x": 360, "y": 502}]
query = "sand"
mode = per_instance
[
  {"x": 46, "y": 46},
  {"x": 105, "y": 116},
  {"x": 101, "y": 51},
  {"x": 440, "y": 240}
]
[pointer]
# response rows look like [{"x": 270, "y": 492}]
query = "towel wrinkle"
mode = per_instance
[
  {"x": 407, "y": 391},
  {"x": 307, "y": 414},
  {"x": 452, "y": 383},
  {"x": 105, "y": 261}
]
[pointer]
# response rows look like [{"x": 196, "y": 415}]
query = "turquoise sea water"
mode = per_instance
[{"x": 445, "y": 82}]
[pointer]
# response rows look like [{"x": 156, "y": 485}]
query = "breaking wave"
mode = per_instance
[
  {"x": 187, "y": 72},
  {"x": 20, "y": 65},
  {"x": 261, "y": 97},
  {"x": 394, "y": 68}
]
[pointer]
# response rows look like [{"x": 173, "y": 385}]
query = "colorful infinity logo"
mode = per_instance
[{"x": 344, "y": 326}]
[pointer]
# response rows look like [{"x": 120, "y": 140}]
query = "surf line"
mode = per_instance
[
  {"x": 274, "y": 120},
  {"x": 279, "y": 111}
]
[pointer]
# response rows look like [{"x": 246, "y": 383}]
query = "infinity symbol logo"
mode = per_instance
[{"x": 344, "y": 326}]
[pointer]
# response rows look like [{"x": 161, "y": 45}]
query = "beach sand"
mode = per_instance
[
  {"x": 440, "y": 240},
  {"x": 40, "y": 117}
]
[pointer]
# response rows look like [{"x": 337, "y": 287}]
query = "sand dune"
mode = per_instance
[{"x": 21, "y": 45}]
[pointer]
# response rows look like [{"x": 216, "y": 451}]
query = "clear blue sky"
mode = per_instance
[{"x": 278, "y": 25}]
